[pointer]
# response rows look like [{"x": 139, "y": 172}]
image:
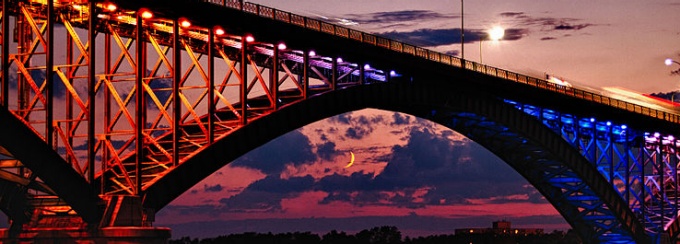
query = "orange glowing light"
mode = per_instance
[
  {"x": 146, "y": 14},
  {"x": 110, "y": 7},
  {"x": 219, "y": 31},
  {"x": 184, "y": 23}
]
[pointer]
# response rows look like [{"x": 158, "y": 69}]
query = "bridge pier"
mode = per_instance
[
  {"x": 107, "y": 235},
  {"x": 123, "y": 221}
]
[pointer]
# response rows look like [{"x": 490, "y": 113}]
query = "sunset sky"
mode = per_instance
[{"x": 412, "y": 173}]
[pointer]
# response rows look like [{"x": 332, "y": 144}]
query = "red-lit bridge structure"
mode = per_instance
[{"x": 110, "y": 110}]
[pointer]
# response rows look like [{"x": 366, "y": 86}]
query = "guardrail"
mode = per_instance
[{"x": 424, "y": 53}]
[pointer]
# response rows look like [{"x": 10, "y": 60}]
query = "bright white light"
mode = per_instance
[
  {"x": 339, "y": 60},
  {"x": 312, "y": 53},
  {"x": 282, "y": 46},
  {"x": 668, "y": 61},
  {"x": 219, "y": 31},
  {"x": 496, "y": 33},
  {"x": 393, "y": 73},
  {"x": 366, "y": 66},
  {"x": 250, "y": 38}
]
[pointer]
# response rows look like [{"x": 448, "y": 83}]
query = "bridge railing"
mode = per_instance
[{"x": 424, "y": 53}]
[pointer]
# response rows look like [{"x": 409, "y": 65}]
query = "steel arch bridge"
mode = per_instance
[{"x": 121, "y": 106}]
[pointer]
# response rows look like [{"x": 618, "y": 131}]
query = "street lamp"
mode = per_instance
[
  {"x": 670, "y": 62},
  {"x": 462, "y": 33},
  {"x": 496, "y": 33}
]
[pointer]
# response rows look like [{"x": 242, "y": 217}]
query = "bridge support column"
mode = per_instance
[
  {"x": 104, "y": 235},
  {"x": 124, "y": 221}
]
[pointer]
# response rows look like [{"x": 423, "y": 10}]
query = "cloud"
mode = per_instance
[
  {"x": 401, "y": 119},
  {"x": 265, "y": 195},
  {"x": 544, "y": 25},
  {"x": 566, "y": 26},
  {"x": 437, "y": 37},
  {"x": 271, "y": 158},
  {"x": 214, "y": 188},
  {"x": 430, "y": 169},
  {"x": 326, "y": 150},
  {"x": 390, "y": 18}
]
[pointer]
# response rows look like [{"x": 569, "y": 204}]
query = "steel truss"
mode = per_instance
[
  {"x": 175, "y": 92},
  {"x": 641, "y": 166}
]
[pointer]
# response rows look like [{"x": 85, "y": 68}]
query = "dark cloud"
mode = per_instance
[
  {"x": 566, "y": 26},
  {"x": 160, "y": 88},
  {"x": 271, "y": 158},
  {"x": 438, "y": 37},
  {"x": 398, "y": 17},
  {"x": 357, "y": 132},
  {"x": 266, "y": 194},
  {"x": 215, "y": 188},
  {"x": 326, "y": 150},
  {"x": 513, "y": 14},
  {"x": 452, "y": 172},
  {"x": 401, "y": 119},
  {"x": 345, "y": 118},
  {"x": 546, "y": 24}
]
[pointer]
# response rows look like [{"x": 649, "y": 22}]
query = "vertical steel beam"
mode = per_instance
[
  {"x": 274, "y": 78},
  {"x": 5, "y": 54},
  {"x": 176, "y": 102},
  {"x": 49, "y": 75},
  {"x": 662, "y": 183},
  {"x": 68, "y": 97},
  {"x": 91, "y": 36},
  {"x": 211, "y": 86},
  {"x": 362, "y": 70},
  {"x": 305, "y": 74},
  {"x": 334, "y": 74},
  {"x": 244, "y": 78},
  {"x": 107, "y": 109},
  {"x": 139, "y": 105}
]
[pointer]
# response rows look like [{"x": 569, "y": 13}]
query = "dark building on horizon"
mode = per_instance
[{"x": 499, "y": 228}]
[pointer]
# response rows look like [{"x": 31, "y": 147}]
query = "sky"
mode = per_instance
[{"x": 412, "y": 173}]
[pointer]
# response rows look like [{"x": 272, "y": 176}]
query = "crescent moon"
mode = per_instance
[{"x": 351, "y": 160}]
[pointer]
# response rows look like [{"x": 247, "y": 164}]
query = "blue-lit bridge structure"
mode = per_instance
[{"x": 112, "y": 109}]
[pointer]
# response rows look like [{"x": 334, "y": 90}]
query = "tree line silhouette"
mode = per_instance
[{"x": 384, "y": 235}]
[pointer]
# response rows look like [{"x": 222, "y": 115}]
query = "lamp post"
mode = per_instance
[
  {"x": 462, "y": 32},
  {"x": 495, "y": 34},
  {"x": 670, "y": 62}
]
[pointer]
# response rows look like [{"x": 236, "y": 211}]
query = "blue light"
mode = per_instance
[
  {"x": 592, "y": 119},
  {"x": 393, "y": 73},
  {"x": 624, "y": 127},
  {"x": 586, "y": 123},
  {"x": 609, "y": 123}
]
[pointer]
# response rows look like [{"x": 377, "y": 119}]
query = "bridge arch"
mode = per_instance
[{"x": 568, "y": 181}]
